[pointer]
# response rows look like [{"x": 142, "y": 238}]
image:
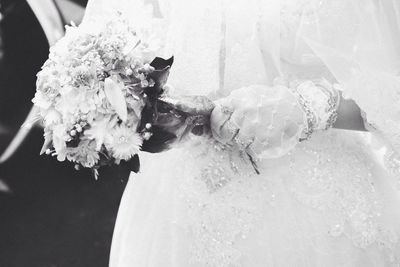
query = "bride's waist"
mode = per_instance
[{"x": 328, "y": 147}]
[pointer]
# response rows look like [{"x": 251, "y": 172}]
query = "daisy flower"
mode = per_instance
[{"x": 124, "y": 142}]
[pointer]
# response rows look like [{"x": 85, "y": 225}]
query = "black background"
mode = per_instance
[{"x": 54, "y": 216}]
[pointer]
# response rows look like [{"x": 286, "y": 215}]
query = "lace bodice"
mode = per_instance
[{"x": 209, "y": 41}]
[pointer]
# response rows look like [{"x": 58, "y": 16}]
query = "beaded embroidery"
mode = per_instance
[
  {"x": 320, "y": 101},
  {"x": 224, "y": 200},
  {"x": 342, "y": 189},
  {"x": 216, "y": 214}
]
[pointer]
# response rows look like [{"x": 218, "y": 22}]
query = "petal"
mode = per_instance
[
  {"x": 48, "y": 142},
  {"x": 113, "y": 91}
]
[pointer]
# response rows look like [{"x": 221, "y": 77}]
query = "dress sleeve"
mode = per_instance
[
  {"x": 378, "y": 95},
  {"x": 359, "y": 43}
]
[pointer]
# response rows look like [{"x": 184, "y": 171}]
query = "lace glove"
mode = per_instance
[{"x": 267, "y": 122}]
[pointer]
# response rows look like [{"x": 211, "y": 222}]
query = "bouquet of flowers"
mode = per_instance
[{"x": 101, "y": 96}]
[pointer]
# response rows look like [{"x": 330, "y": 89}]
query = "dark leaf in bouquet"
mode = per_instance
[
  {"x": 123, "y": 169},
  {"x": 170, "y": 121},
  {"x": 160, "y": 63},
  {"x": 159, "y": 75},
  {"x": 148, "y": 115},
  {"x": 160, "y": 78},
  {"x": 164, "y": 107},
  {"x": 105, "y": 158},
  {"x": 161, "y": 140},
  {"x": 134, "y": 164},
  {"x": 74, "y": 142}
]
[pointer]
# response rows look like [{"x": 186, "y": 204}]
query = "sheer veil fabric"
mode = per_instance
[{"x": 332, "y": 201}]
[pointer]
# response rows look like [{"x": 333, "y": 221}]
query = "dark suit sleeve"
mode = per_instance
[{"x": 24, "y": 50}]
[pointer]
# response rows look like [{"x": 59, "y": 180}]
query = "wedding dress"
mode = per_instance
[{"x": 331, "y": 201}]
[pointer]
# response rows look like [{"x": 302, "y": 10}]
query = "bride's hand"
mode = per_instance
[{"x": 265, "y": 121}]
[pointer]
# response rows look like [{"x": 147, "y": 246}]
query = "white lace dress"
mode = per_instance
[{"x": 331, "y": 201}]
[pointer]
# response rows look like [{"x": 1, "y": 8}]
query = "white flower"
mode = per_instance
[
  {"x": 52, "y": 117},
  {"x": 60, "y": 139},
  {"x": 41, "y": 100},
  {"x": 124, "y": 142},
  {"x": 83, "y": 75},
  {"x": 85, "y": 154},
  {"x": 100, "y": 130},
  {"x": 82, "y": 89}
]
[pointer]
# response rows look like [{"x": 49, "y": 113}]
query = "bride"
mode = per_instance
[{"x": 274, "y": 68}]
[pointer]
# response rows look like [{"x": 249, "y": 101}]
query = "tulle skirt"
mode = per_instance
[{"x": 330, "y": 202}]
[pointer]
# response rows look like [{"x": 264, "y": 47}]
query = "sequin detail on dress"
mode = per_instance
[{"x": 339, "y": 183}]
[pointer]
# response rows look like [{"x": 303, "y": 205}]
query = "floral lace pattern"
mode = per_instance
[
  {"x": 391, "y": 160},
  {"x": 224, "y": 199},
  {"x": 219, "y": 210},
  {"x": 339, "y": 183}
]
